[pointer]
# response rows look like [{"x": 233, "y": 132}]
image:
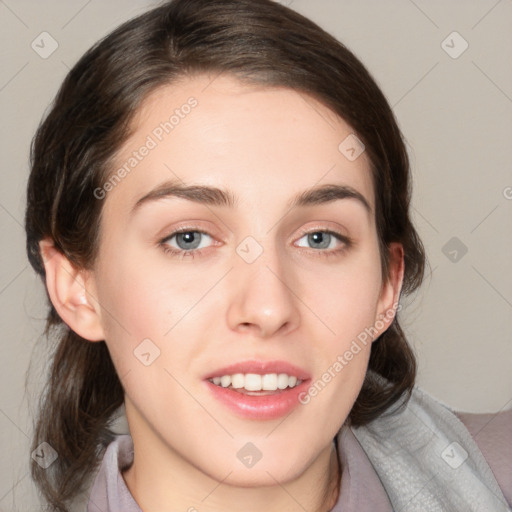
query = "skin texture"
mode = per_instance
[{"x": 294, "y": 302}]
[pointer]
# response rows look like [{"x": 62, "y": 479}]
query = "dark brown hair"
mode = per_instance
[{"x": 258, "y": 41}]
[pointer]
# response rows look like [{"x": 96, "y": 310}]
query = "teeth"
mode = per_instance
[
  {"x": 269, "y": 382},
  {"x": 252, "y": 382},
  {"x": 282, "y": 381},
  {"x": 255, "y": 382},
  {"x": 237, "y": 380},
  {"x": 225, "y": 381}
]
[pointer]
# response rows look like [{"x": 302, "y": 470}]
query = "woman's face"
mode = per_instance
[{"x": 278, "y": 272}]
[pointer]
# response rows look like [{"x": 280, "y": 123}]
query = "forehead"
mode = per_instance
[{"x": 261, "y": 142}]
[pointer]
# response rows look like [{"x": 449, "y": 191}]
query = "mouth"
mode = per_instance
[{"x": 258, "y": 390}]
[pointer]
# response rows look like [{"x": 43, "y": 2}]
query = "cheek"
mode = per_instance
[
  {"x": 145, "y": 298},
  {"x": 134, "y": 308},
  {"x": 341, "y": 354},
  {"x": 344, "y": 297}
]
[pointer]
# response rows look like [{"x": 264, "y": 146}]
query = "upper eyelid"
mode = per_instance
[{"x": 185, "y": 229}]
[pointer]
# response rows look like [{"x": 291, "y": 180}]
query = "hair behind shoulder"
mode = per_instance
[{"x": 259, "y": 41}]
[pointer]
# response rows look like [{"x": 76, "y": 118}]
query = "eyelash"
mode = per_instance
[{"x": 180, "y": 254}]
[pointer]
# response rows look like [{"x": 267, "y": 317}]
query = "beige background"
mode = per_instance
[{"x": 456, "y": 114}]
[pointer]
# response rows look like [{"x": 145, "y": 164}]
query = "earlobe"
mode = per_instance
[
  {"x": 388, "y": 303},
  {"x": 67, "y": 288}
]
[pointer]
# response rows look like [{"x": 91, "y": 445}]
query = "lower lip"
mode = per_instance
[{"x": 263, "y": 407}]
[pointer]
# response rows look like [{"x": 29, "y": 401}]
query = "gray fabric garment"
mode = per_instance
[
  {"x": 360, "y": 490},
  {"x": 428, "y": 461},
  {"x": 368, "y": 482}
]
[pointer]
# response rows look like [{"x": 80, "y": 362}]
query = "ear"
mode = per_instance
[
  {"x": 388, "y": 304},
  {"x": 68, "y": 290}
]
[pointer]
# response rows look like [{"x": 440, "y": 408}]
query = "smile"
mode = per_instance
[{"x": 258, "y": 390}]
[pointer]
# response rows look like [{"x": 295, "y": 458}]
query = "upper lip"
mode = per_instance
[{"x": 260, "y": 368}]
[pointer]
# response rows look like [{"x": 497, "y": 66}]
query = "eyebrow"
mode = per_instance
[{"x": 215, "y": 196}]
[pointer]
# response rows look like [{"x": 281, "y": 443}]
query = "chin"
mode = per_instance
[
  {"x": 279, "y": 467},
  {"x": 263, "y": 477}
]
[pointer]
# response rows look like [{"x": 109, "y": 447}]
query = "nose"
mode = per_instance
[{"x": 263, "y": 301}]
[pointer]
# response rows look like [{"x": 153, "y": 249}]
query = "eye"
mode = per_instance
[
  {"x": 325, "y": 239},
  {"x": 186, "y": 242}
]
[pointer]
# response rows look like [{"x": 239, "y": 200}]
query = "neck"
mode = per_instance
[{"x": 180, "y": 486}]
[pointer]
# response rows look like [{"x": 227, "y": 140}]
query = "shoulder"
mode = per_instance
[{"x": 493, "y": 435}]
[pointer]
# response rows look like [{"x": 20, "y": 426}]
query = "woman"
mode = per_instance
[{"x": 219, "y": 208}]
